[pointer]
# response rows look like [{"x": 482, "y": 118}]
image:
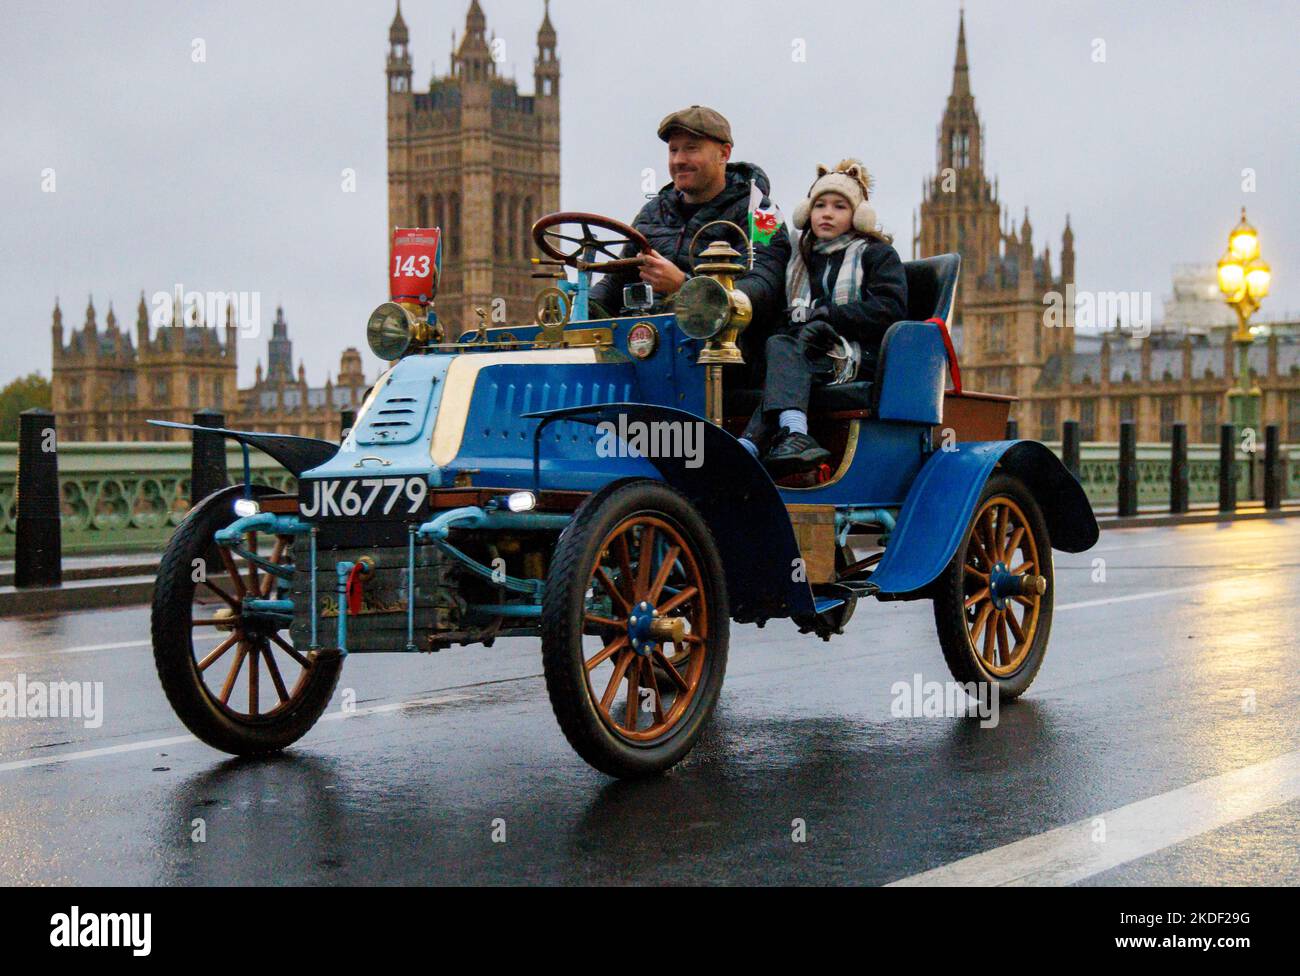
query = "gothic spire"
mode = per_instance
[
  {"x": 546, "y": 33},
  {"x": 474, "y": 57},
  {"x": 397, "y": 32},
  {"x": 960, "y": 133},
  {"x": 475, "y": 22},
  {"x": 960, "y": 68}
]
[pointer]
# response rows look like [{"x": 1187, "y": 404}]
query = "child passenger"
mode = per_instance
[{"x": 845, "y": 286}]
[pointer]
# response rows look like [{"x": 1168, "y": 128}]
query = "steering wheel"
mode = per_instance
[{"x": 568, "y": 236}]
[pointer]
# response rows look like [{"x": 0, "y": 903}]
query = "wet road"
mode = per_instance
[{"x": 1159, "y": 745}]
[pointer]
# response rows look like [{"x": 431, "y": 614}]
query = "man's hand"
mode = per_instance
[{"x": 661, "y": 274}]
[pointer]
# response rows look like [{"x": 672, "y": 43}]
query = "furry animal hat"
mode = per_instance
[{"x": 851, "y": 180}]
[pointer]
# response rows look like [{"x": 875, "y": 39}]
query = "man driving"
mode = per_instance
[{"x": 705, "y": 186}]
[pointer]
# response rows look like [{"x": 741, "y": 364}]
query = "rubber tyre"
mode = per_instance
[
  {"x": 964, "y": 662},
  {"x": 174, "y": 653},
  {"x": 562, "y": 616}
]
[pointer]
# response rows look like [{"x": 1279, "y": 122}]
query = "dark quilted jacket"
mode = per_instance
[{"x": 670, "y": 231}]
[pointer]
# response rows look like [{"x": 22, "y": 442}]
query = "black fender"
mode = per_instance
[
  {"x": 738, "y": 501},
  {"x": 941, "y": 502},
  {"x": 293, "y": 453},
  {"x": 228, "y": 496}
]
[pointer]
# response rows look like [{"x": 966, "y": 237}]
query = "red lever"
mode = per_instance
[
  {"x": 951, "y": 353},
  {"x": 353, "y": 589}
]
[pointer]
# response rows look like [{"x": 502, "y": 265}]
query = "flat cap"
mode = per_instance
[{"x": 697, "y": 119}]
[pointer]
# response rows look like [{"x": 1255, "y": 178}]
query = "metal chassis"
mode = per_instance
[{"x": 436, "y": 530}]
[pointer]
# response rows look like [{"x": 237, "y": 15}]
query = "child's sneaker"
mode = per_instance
[{"x": 792, "y": 453}]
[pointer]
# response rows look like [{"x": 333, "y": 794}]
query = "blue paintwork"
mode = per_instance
[
  {"x": 400, "y": 412},
  {"x": 498, "y": 438},
  {"x": 406, "y": 448},
  {"x": 942, "y": 501},
  {"x": 741, "y": 506},
  {"x": 888, "y": 457},
  {"x": 909, "y": 382},
  {"x": 893, "y": 468},
  {"x": 343, "y": 567},
  {"x": 668, "y": 377}
]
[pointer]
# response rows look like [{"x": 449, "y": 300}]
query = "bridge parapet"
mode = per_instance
[
  {"x": 121, "y": 496},
  {"x": 1099, "y": 473}
]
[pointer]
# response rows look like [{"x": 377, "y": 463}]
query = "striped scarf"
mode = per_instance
[
  {"x": 848, "y": 281},
  {"x": 847, "y": 287}
]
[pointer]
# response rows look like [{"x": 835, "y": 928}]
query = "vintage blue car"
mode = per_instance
[{"x": 579, "y": 480}]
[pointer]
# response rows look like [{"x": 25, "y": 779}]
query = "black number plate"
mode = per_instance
[{"x": 400, "y": 498}]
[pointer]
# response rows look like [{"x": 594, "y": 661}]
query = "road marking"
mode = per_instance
[
  {"x": 394, "y": 707},
  {"x": 95, "y": 753},
  {"x": 1134, "y": 545},
  {"x": 176, "y": 740},
  {"x": 1127, "y": 597},
  {"x": 1070, "y": 853},
  {"x": 75, "y": 650}
]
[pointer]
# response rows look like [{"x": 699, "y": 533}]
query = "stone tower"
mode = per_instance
[
  {"x": 1003, "y": 283},
  {"x": 105, "y": 388},
  {"x": 480, "y": 160},
  {"x": 279, "y": 360}
]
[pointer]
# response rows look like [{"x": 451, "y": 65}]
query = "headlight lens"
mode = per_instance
[
  {"x": 244, "y": 507},
  {"x": 521, "y": 501},
  {"x": 389, "y": 331},
  {"x": 703, "y": 307}
]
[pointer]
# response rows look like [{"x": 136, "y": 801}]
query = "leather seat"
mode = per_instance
[{"x": 824, "y": 399}]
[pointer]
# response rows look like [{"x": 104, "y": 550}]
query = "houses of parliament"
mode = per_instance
[
  {"x": 1180, "y": 373},
  {"x": 473, "y": 155}
]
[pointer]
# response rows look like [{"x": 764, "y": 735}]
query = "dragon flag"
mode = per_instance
[{"x": 763, "y": 222}]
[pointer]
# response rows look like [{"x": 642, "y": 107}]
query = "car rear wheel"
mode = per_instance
[
  {"x": 635, "y": 625},
  {"x": 993, "y": 604}
]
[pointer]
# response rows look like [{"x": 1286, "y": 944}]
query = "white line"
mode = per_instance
[
  {"x": 1149, "y": 595},
  {"x": 181, "y": 739},
  {"x": 75, "y": 650},
  {"x": 95, "y": 753},
  {"x": 1073, "y": 852},
  {"x": 1137, "y": 545},
  {"x": 394, "y": 707}
]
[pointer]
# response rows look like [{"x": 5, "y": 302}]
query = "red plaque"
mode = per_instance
[{"x": 415, "y": 263}]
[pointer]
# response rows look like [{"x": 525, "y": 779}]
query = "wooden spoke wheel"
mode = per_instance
[
  {"x": 634, "y": 628},
  {"x": 993, "y": 605},
  {"x": 231, "y": 672}
]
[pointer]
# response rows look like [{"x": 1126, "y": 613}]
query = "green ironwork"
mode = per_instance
[
  {"x": 122, "y": 497},
  {"x": 1099, "y": 473}
]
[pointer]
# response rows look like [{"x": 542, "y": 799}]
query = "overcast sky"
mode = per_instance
[{"x": 226, "y": 174}]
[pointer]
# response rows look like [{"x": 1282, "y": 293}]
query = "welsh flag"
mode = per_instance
[{"x": 763, "y": 222}]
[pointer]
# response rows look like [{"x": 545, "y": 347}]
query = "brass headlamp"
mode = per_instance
[
  {"x": 710, "y": 307},
  {"x": 396, "y": 328}
]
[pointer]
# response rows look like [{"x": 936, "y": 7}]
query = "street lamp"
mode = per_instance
[{"x": 1244, "y": 279}]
